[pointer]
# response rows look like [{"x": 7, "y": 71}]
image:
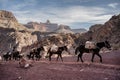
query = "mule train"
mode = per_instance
[
  {"x": 35, "y": 54},
  {"x": 17, "y": 55}
]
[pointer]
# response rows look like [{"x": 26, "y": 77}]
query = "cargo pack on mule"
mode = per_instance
[
  {"x": 93, "y": 48},
  {"x": 90, "y": 45}
]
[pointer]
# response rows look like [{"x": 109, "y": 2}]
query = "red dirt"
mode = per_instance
[{"x": 67, "y": 70}]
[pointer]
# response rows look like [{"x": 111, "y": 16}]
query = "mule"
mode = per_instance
[
  {"x": 94, "y": 51},
  {"x": 7, "y": 56},
  {"x": 16, "y": 55},
  {"x": 35, "y": 53},
  {"x": 58, "y": 52}
]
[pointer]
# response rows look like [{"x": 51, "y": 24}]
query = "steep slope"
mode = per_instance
[
  {"x": 10, "y": 38},
  {"x": 8, "y": 20},
  {"x": 109, "y": 31},
  {"x": 13, "y": 34}
]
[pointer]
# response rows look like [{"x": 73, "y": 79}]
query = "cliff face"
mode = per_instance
[
  {"x": 100, "y": 32},
  {"x": 63, "y": 29},
  {"x": 115, "y": 31},
  {"x": 95, "y": 27},
  {"x": 8, "y": 20},
  {"x": 42, "y": 27},
  {"x": 109, "y": 31},
  {"x": 36, "y": 26},
  {"x": 10, "y": 38},
  {"x": 5, "y": 15},
  {"x": 13, "y": 34}
]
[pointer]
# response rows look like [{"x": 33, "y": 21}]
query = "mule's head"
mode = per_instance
[
  {"x": 107, "y": 45},
  {"x": 65, "y": 48}
]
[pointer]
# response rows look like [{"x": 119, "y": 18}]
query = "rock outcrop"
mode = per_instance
[
  {"x": 36, "y": 26},
  {"x": 42, "y": 27},
  {"x": 8, "y": 20},
  {"x": 60, "y": 40},
  {"x": 13, "y": 34},
  {"x": 109, "y": 31},
  {"x": 63, "y": 29},
  {"x": 95, "y": 27},
  {"x": 10, "y": 38},
  {"x": 5, "y": 15}
]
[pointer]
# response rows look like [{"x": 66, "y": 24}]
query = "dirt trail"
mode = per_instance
[{"x": 67, "y": 70}]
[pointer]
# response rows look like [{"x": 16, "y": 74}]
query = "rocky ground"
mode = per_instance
[{"x": 67, "y": 70}]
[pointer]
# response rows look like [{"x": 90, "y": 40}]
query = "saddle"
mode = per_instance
[{"x": 90, "y": 45}]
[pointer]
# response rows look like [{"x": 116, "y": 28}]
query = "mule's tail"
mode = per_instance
[{"x": 76, "y": 50}]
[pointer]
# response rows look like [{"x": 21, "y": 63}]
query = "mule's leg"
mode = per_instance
[
  {"x": 39, "y": 57},
  {"x": 80, "y": 56},
  {"x": 61, "y": 57},
  {"x": 100, "y": 57},
  {"x": 57, "y": 57},
  {"x": 32, "y": 57},
  {"x": 50, "y": 57},
  {"x": 93, "y": 55}
]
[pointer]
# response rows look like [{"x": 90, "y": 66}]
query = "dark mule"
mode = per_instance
[
  {"x": 35, "y": 53},
  {"x": 94, "y": 52},
  {"x": 58, "y": 52},
  {"x": 31, "y": 54},
  {"x": 7, "y": 56},
  {"x": 16, "y": 55}
]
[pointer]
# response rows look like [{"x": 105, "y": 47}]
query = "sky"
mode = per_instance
[{"x": 74, "y": 13}]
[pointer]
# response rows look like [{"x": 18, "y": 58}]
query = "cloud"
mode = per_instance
[
  {"x": 69, "y": 12},
  {"x": 65, "y": 15},
  {"x": 17, "y": 4},
  {"x": 81, "y": 1},
  {"x": 113, "y": 5},
  {"x": 73, "y": 14}
]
